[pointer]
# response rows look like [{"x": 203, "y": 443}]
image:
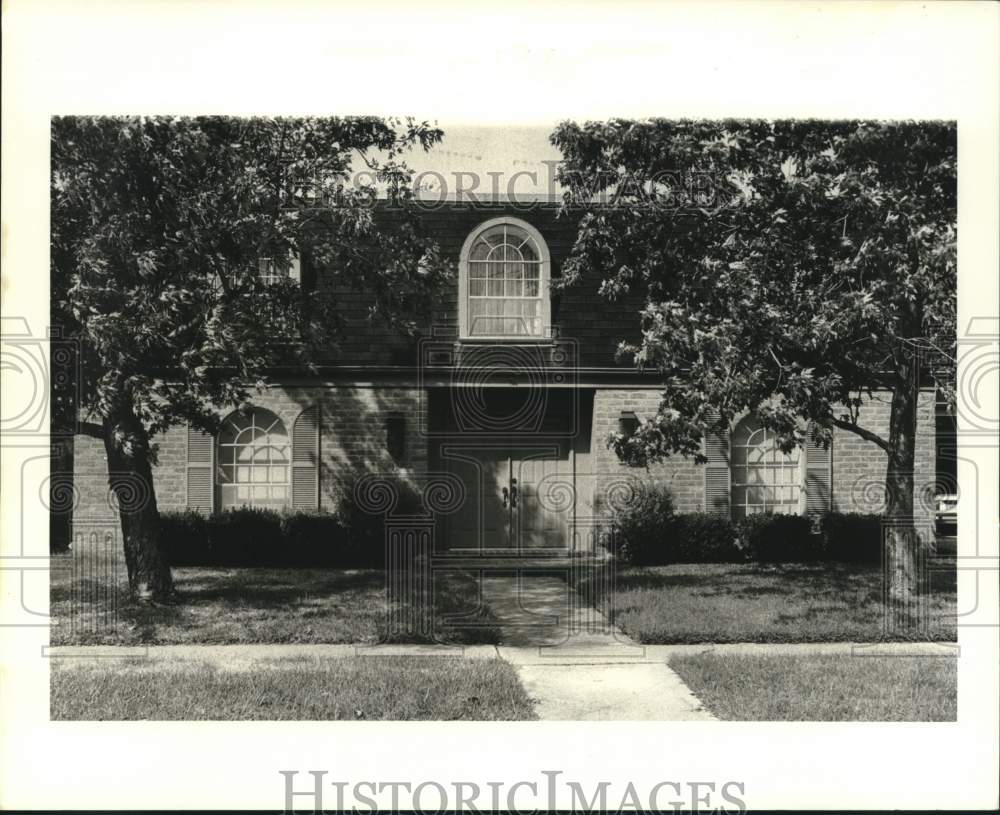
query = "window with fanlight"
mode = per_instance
[
  {"x": 763, "y": 479},
  {"x": 254, "y": 460},
  {"x": 504, "y": 282}
]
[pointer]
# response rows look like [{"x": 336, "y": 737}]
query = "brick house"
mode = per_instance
[{"x": 499, "y": 414}]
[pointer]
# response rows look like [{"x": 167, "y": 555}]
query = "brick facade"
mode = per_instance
[
  {"x": 353, "y": 443},
  {"x": 579, "y": 313},
  {"x": 354, "y": 408}
]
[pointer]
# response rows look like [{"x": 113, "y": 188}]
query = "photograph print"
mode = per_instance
[{"x": 377, "y": 418}]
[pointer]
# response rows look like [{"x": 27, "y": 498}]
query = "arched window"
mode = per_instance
[
  {"x": 763, "y": 478},
  {"x": 254, "y": 458},
  {"x": 504, "y": 281}
]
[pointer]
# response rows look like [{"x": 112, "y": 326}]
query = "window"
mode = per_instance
[
  {"x": 504, "y": 281},
  {"x": 254, "y": 460},
  {"x": 763, "y": 478},
  {"x": 271, "y": 271}
]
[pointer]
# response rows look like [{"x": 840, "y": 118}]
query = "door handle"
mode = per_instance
[{"x": 505, "y": 492}]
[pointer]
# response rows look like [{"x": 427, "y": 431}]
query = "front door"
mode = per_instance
[{"x": 518, "y": 495}]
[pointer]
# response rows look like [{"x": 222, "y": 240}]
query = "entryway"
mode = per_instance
[{"x": 515, "y": 452}]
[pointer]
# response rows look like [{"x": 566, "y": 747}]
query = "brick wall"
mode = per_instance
[
  {"x": 352, "y": 442},
  {"x": 578, "y": 312},
  {"x": 682, "y": 476},
  {"x": 859, "y": 466}
]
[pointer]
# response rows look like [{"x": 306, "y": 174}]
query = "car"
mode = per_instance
[{"x": 946, "y": 522}]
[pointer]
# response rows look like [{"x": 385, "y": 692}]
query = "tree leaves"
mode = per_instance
[
  {"x": 822, "y": 256},
  {"x": 158, "y": 226}
]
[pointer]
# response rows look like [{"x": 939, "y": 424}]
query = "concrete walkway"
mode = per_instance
[{"x": 573, "y": 663}]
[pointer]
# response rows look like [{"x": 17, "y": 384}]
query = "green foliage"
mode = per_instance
[
  {"x": 787, "y": 267},
  {"x": 700, "y": 537},
  {"x": 263, "y": 538},
  {"x": 352, "y": 536},
  {"x": 640, "y": 524},
  {"x": 367, "y": 527},
  {"x": 158, "y": 227},
  {"x": 767, "y": 538},
  {"x": 853, "y": 536},
  {"x": 650, "y": 533}
]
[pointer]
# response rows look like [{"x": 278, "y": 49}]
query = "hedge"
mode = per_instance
[
  {"x": 852, "y": 536},
  {"x": 261, "y": 537},
  {"x": 651, "y": 533},
  {"x": 766, "y": 538}
]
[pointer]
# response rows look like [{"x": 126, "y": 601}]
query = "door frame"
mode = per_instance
[{"x": 462, "y": 449}]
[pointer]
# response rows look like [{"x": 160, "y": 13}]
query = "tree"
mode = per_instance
[
  {"x": 789, "y": 268},
  {"x": 160, "y": 228}
]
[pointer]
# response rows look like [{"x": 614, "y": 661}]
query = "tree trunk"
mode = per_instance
[
  {"x": 130, "y": 476},
  {"x": 902, "y": 543}
]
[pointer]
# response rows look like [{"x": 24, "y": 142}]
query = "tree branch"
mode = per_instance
[
  {"x": 92, "y": 429},
  {"x": 867, "y": 435}
]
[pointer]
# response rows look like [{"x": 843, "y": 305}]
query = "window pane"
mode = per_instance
[
  {"x": 512, "y": 288},
  {"x": 531, "y": 288}
]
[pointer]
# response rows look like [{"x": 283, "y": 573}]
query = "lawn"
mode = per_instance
[
  {"x": 823, "y": 688},
  {"x": 721, "y": 602},
  {"x": 88, "y": 601},
  {"x": 360, "y": 688}
]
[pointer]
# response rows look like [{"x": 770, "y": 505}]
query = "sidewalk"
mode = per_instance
[{"x": 574, "y": 664}]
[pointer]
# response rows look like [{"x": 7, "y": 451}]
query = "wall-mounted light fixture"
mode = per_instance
[{"x": 628, "y": 423}]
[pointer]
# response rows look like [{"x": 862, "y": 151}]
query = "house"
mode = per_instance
[{"x": 499, "y": 414}]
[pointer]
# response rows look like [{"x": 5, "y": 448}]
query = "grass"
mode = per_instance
[
  {"x": 823, "y": 688},
  {"x": 690, "y": 603},
  {"x": 361, "y": 688},
  {"x": 88, "y": 601}
]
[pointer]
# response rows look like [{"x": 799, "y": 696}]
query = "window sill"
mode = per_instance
[{"x": 507, "y": 340}]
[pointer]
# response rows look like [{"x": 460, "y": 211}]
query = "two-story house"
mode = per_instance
[{"x": 500, "y": 413}]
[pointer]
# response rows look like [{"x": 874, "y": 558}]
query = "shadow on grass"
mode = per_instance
[
  {"x": 801, "y": 602},
  {"x": 247, "y": 605},
  {"x": 456, "y": 615}
]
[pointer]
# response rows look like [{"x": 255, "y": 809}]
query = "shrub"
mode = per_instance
[
  {"x": 699, "y": 537},
  {"x": 315, "y": 539},
  {"x": 767, "y": 538},
  {"x": 351, "y": 537},
  {"x": 641, "y": 526},
  {"x": 248, "y": 536},
  {"x": 852, "y": 536},
  {"x": 184, "y": 536},
  {"x": 651, "y": 533},
  {"x": 365, "y": 528}
]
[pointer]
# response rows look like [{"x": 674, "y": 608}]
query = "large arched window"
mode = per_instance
[
  {"x": 763, "y": 478},
  {"x": 504, "y": 281},
  {"x": 254, "y": 460}
]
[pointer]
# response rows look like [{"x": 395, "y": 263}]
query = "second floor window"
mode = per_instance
[
  {"x": 271, "y": 271},
  {"x": 504, "y": 282}
]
